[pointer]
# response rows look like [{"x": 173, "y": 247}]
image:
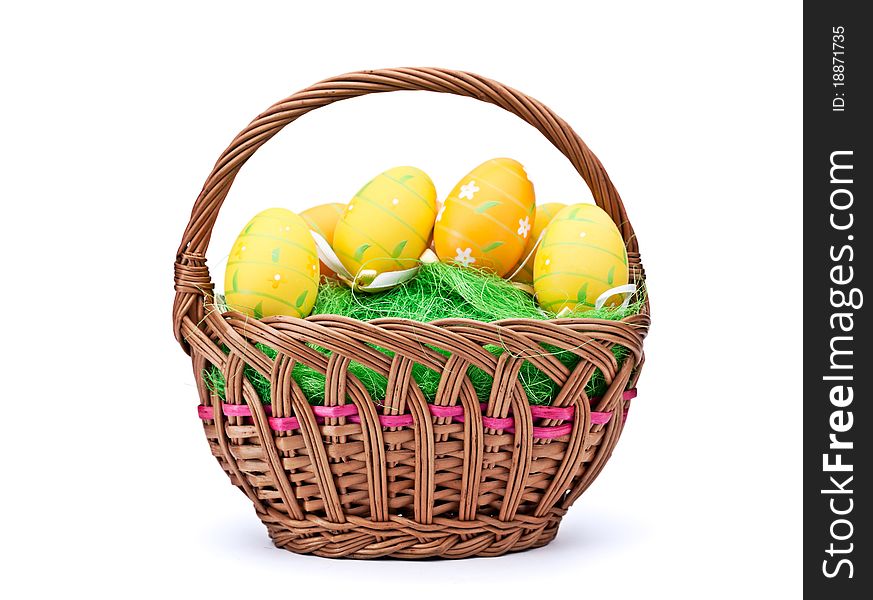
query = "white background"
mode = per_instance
[{"x": 113, "y": 116}]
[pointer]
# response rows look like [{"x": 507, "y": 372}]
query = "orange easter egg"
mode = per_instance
[{"x": 487, "y": 218}]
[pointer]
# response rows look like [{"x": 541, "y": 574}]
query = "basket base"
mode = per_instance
[{"x": 404, "y": 538}]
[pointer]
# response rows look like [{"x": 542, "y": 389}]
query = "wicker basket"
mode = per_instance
[{"x": 406, "y": 478}]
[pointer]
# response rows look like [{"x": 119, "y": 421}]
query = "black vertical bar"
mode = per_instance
[{"x": 837, "y": 73}]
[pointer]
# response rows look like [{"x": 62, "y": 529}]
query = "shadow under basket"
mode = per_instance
[{"x": 407, "y": 477}]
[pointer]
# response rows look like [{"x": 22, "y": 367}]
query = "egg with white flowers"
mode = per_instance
[
  {"x": 387, "y": 225},
  {"x": 273, "y": 267},
  {"x": 487, "y": 218},
  {"x": 581, "y": 256}
]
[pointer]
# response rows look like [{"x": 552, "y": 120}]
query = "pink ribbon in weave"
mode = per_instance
[{"x": 350, "y": 411}]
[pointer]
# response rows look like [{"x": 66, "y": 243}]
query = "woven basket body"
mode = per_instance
[{"x": 405, "y": 477}]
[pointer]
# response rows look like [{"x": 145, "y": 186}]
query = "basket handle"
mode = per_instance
[{"x": 192, "y": 277}]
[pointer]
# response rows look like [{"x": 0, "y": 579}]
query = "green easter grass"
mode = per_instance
[{"x": 439, "y": 291}]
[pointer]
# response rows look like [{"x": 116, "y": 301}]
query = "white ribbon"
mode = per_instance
[
  {"x": 628, "y": 291},
  {"x": 377, "y": 281}
]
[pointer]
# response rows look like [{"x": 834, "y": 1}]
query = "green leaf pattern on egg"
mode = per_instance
[
  {"x": 274, "y": 255},
  {"x": 572, "y": 217},
  {"x": 486, "y": 205},
  {"x": 398, "y": 249},
  {"x": 492, "y": 246},
  {"x": 359, "y": 251},
  {"x": 582, "y": 294},
  {"x": 301, "y": 299}
]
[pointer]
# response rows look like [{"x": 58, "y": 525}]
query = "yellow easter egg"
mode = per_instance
[
  {"x": 322, "y": 219},
  {"x": 273, "y": 267},
  {"x": 582, "y": 255},
  {"x": 487, "y": 218},
  {"x": 543, "y": 215},
  {"x": 387, "y": 225}
]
